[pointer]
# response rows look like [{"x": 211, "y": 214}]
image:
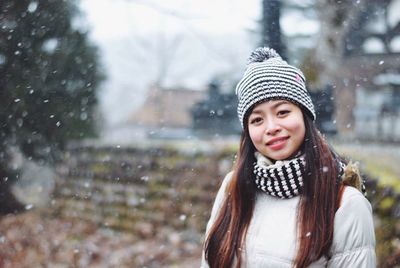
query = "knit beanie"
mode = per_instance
[{"x": 269, "y": 77}]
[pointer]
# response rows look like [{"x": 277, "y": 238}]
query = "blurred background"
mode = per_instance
[{"x": 118, "y": 118}]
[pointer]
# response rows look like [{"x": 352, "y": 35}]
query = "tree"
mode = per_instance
[
  {"x": 49, "y": 74},
  {"x": 271, "y": 29},
  {"x": 336, "y": 20},
  {"x": 338, "y": 57}
]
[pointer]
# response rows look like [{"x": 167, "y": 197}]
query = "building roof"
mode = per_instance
[{"x": 170, "y": 108}]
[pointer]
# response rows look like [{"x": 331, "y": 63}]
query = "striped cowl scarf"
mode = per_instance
[{"x": 283, "y": 179}]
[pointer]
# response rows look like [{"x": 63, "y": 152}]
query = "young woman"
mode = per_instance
[{"x": 290, "y": 201}]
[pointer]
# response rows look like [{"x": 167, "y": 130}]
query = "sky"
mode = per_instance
[
  {"x": 179, "y": 43},
  {"x": 194, "y": 39},
  {"x": 116, "y": 18}
]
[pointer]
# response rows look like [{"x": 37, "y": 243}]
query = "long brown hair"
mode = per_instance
[{"x": 318, "y": 204}]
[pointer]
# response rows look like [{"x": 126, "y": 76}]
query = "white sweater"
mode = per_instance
[{"x": 271, "y": 237}]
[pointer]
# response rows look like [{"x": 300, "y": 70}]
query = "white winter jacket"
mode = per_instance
[{"x": 271, "y": 236}]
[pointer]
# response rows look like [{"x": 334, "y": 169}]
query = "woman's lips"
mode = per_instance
[{"x": 277, "y": 143}]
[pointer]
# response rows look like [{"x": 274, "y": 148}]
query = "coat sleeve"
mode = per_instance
[
  {"x": 214, "y": 212},
  {"x": 354, "y": 237}
]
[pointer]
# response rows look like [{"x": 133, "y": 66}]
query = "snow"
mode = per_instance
[
  {"x": 32, "y": 6},
  {"x": 393, "y": 13},
  {"x": 387, "y": 79},
  {"x": 395, "y": 44},
  {"x": 2, "y": 59},
  {"x": 373, "y": 45},
  {"x": 50, "y": 45},
  {"x": 376, "y": 24},
  {"x": 28, "y": 206}
]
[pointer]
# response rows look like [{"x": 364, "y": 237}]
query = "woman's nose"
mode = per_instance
[{"x": 272, "y": 128}]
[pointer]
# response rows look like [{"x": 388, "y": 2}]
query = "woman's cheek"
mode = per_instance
[
  {"x": 256, "y": 135},
  {"x": 295, "y": 124}
]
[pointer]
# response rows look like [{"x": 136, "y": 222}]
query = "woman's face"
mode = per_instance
[{"x": 277, "y": 129}]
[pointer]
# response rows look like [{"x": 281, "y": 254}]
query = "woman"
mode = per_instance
[{"x": 290, "y": 201}]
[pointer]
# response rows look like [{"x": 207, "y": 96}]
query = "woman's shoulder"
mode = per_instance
[
  {"x": 353, "y": 198},
  {"x": 223, "y": 187},
  {"x": 354, "y": 226},
  {"x": 352, "y": 192},
  {"x": 354, "y": 206},
  {"x": 222, "y": 190},
  {"x": 354, "y": 237},
  {"x": 227, "y": 179}
]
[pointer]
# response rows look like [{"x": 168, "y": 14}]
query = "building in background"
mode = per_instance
[
  {"x": 372, "y": 57},
  {"x": 216, "y": 114},
  {"x": 181, "y": 113},
  {"x": 166, "y": 113}
]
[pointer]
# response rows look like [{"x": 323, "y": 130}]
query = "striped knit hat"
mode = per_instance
[{"x": 269, "y": 77}]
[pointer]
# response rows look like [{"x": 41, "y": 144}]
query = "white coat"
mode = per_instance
[{"x": 271, "y": 236}]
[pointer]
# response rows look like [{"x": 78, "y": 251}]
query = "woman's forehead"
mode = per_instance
[{"x": 270, "y": 104}]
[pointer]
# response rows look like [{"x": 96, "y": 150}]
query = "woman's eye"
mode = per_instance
[
  {"x": 255, "y": 120},
  {"x": 283, "y": 112}
]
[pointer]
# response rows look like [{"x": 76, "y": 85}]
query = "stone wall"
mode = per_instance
[{"x": 140, "y": 190}]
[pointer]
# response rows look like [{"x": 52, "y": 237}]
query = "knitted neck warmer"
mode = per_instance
[{"x": 283, "y": 179}]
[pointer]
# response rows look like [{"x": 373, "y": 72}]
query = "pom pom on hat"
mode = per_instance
[
  {"x": 269, "y": 77},
  {"x": 262, "y": 54}
]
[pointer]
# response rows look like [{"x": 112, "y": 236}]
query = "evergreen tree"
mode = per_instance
[
  {"x": 49, "y": 74},
  {"x": 270, "y": 26}
]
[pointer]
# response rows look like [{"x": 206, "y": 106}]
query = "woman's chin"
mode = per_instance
[{"x": 281, "y": 156}]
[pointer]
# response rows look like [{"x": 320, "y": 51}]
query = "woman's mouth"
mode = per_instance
[{"x": 277, "y": 143}]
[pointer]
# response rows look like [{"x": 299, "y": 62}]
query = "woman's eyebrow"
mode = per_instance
[
  {"x": 274, "y": 106},
  {"x": 256, "y": 111},
  {"x": 279, "y": 103}
]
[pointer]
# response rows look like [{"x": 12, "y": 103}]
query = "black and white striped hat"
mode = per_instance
[{"x": 269, "y": 77}]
